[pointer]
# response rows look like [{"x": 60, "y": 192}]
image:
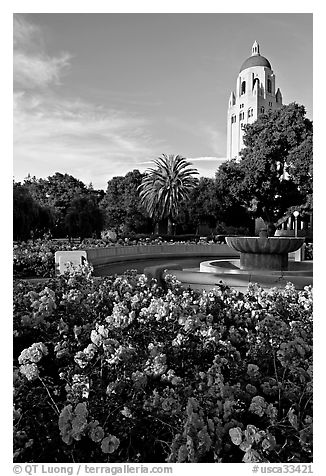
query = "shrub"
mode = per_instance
[{"x": 124, "y": 371}]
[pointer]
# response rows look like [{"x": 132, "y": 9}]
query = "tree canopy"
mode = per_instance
[
  {"x": 83, "y": 217},
  {"x": 121, "y": 205},
  {"x": 57, "y": 193},
  {"x": 30, "y": 218},
  {"x": 275, "y": 168}
]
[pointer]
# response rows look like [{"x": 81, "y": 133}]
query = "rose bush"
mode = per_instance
[{"x": 118, "y": 369}]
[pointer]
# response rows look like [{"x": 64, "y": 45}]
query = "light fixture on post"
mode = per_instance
[{"x": 296, "y": 214}]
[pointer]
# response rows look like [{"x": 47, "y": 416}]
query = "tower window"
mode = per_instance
[
  {"x": 243, "y": 87},
  {"x": 233, "y": 119},
  {"x": 269, "y": 85},
  {"x": 250, "y": 112},
  {"x": 262, "y": 109}
]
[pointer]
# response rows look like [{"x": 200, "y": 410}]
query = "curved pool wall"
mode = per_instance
[
  {"x": 103, "y": 257},
  {"x": 172, "y": 256},
  {"x": 232, "y": 266},
  {"x": 238, "y": 281}
]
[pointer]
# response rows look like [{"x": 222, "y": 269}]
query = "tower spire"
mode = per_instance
[{"x": 255, "y": 49}]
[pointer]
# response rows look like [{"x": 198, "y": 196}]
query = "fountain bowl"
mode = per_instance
[{"x": 264, "y": 253}]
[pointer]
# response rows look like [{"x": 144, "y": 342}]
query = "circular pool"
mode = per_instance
[{"x": 120, "y": 267}]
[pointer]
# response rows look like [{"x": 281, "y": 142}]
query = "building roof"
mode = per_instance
[{"x": 255, "y": 60}]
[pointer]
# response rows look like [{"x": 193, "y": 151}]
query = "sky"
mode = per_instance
[{"x": 98, "y": 95}]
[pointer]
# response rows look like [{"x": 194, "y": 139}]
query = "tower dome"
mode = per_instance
[{"x": 255, "y": 59}]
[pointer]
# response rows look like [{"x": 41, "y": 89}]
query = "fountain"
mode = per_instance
[
  {"x": 263, "y": 253},
  {"x": 263, "y": 260}
]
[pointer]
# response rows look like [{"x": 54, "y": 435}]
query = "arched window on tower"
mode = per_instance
[
  {"x": 243, "y": 87},
  {"x": 262, "y": 109},
  {"x": 269, "y": 85},
  {"x": 250, "y": 112}
]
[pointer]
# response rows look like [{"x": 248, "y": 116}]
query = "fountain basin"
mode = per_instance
[
  {"x": 257, "y": 253},
  {"x": 232, "y": 266}
]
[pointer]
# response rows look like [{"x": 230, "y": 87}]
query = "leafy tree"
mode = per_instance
[
  {"x": 266, "y": 179},
  {"x": 232, "y": 212},
  {"x": 164, "y": 187},
  {"x": 121, "y": 207},
  {"x": 83, "y": 217},
  {"x": 29, "y": 217},
  {"x": 300, "y": 168},
  {"x": 57, "y": 192},
  {"x": 203, "y": 206}
]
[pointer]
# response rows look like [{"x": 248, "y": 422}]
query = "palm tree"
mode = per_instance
[{"x": 164, "y": 187}]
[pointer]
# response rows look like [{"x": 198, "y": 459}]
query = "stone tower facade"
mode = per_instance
[{"x": 255, "y": 94}]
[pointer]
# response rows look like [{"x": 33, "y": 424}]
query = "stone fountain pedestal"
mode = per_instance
[
  {"x": 264, "y": 253},
  {"x": 263, "y": 260}
]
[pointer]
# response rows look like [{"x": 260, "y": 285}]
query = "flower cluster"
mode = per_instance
[
  {"x": 29, "y": 358},
  {"x": 43, "y": 303},
  {"x": 139, "y": 373}
]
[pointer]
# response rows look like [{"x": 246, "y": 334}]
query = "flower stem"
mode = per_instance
[{"x": 49, "y": 394}]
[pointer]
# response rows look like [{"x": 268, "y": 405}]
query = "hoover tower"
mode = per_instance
[{"x": 255, "y": 94}]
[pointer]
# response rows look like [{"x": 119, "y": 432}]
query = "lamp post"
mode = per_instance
[{"x": 296, "y": 214}]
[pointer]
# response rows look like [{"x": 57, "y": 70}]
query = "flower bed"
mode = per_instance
[
  {"x": 120, "y": 370},
  {"x": 36, "y": 259}
]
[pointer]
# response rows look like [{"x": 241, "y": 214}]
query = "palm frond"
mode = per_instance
[{"x": 166, "y": 185}]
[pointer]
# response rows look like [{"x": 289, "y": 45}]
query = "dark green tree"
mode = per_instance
[
  {"x": 84, "y": 218},
  {"x": 264, "y": 180},
  {"x": 121, "y": 206},
  {"x": 202, "y": 208},
  {"x": 164, "y": 187},
  {"x": 300, "y": 168},
  {"x": 57, "y": 193},
  {"x": 30, "y": 219}
]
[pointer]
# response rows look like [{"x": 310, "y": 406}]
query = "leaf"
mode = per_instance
[
  {"x": 182, "y": 454},
  {"x": 293, "y": 419},
  {"x": 236, "y": 435}
]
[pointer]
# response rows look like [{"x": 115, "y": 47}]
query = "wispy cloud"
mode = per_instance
[
  {"x": 73, "y": 135},
  {"x": 26, "y": 34},
  {"x": 207, "y": 166},
  {"x": 205, "y": 159},
  {"x": 33, "y": 68},
  {"x": 216, "y": 139},
  {"x": 38, "y": 71}
]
